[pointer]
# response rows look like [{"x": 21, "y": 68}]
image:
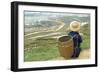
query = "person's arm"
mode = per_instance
[{"x": 80, "y": 39}]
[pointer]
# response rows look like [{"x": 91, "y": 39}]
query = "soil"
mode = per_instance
[{"x": 85, "y": 54}]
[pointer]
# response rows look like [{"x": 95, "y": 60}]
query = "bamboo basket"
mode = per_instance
[{"x": 65, "y": 46}]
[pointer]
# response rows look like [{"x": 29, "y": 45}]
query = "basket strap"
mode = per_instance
[{"x": 76, "y": 39}]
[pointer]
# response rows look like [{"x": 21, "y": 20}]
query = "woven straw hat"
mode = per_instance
[{"x": 75, "y": 26}]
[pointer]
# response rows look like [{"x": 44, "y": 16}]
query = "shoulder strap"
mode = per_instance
[
  {"x": 74, "y": 36},
  {"x": 76, "y": 39}
]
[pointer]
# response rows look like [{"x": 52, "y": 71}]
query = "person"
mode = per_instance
[{"x": 77, "y": 39}]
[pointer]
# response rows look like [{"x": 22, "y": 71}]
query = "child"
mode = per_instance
[{"x": 74, "y": 33}]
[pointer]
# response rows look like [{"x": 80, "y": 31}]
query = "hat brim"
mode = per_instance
[{"x": 74, "y": 29}]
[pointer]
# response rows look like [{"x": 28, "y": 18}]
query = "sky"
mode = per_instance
[{"x": 34, "y": 13}]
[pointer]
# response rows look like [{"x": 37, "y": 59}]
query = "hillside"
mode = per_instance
[{"x": 43, "y": 30}]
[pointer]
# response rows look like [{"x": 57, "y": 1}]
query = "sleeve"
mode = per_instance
[{"x": 80, "y": 39}]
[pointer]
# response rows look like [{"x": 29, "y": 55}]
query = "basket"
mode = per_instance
[{"x": 65, "y": 46}]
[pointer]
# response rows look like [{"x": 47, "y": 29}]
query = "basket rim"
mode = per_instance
[{"x": 66, "y": 35}]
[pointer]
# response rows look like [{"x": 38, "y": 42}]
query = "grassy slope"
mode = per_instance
[
  {"x": 86, "y": 37},
  {"x": 42, "y": 49},
  {"x": 45, "y": 49}
]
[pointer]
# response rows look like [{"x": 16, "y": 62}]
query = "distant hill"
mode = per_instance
[{"x": 40, "y": 22}]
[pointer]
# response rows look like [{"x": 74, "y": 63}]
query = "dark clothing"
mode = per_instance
[{"x": 77, "y": 42}]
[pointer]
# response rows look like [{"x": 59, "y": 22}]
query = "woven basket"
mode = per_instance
[{"x": 65, "y": 46}]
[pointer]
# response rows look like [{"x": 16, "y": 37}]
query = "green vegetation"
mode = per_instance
[
  {"x": 41, "y": 54},
  {"x": 86, "y": 43},
  {"x": 45, "y": 48},
  {"x": 41, "y": 49},
  {"x": 86, "y": 37}
]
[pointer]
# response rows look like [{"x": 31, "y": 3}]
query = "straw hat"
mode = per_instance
[{"x": 75, "y": 26}]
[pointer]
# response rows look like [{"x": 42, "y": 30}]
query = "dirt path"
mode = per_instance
[
  {"x": 85, "y": 54},
  {"x": 61, "y": 26},
  {"x": 50, "y": 34}
]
